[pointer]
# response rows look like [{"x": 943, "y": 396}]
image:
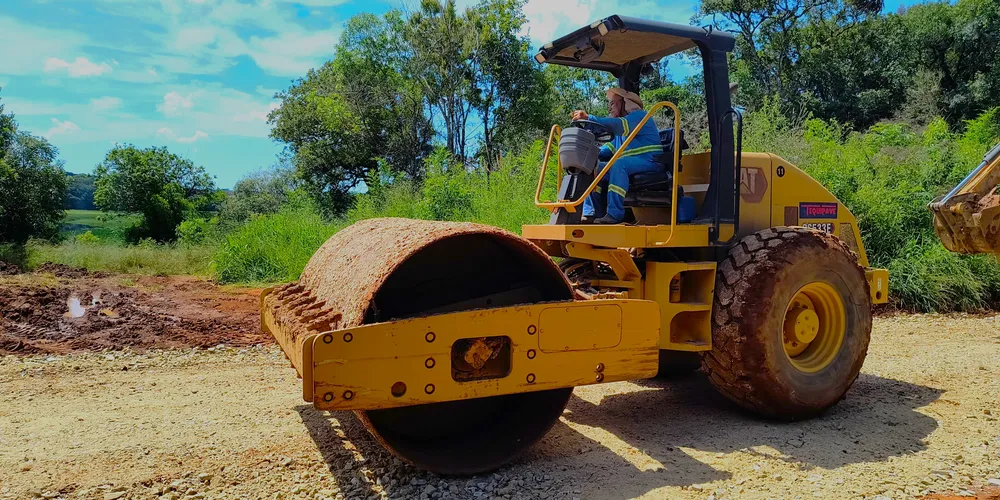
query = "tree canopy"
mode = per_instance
[
  {"x": 160, "y": 185},
  {"x": 843, "y": 60},
  {"x": 32, "y": 184},
  {"x": 398, "y": 82}
]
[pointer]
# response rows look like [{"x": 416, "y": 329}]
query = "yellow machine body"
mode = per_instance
[
  {"x": 773, "y": 193},
  {"x": 433, "y": 359}
]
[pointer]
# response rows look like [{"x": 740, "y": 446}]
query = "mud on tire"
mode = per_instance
[{"x": 754, "y": 287}]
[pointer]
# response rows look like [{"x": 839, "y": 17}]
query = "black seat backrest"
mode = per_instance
[
  {"x": 666, "y": 158},
  {"x": 667, "y": 140}
]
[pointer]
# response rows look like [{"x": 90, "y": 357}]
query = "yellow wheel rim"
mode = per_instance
[{"x": 814, "y": 326}]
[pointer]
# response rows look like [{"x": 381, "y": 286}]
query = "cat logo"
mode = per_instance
[{"x": 753, "y": 184}]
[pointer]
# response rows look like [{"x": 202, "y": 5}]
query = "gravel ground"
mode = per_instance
[{"x": 229, "y": 423}]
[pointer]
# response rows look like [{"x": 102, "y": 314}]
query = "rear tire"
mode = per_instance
[{"x": 762, "y": 287}]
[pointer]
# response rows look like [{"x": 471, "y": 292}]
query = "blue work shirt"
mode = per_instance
[{"x": 646, "y": 142}]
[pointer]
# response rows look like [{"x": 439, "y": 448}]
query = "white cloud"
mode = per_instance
[
  {"x": 174, "y": 103},
  {"x": 169, "y": 134},
  {"x": 27, "y": 46},
  {"x": 61, "y": 127},
  {"x": 81, "y": 66},
  {"x": 197, "y": 135},
  {"x": 105, "y": 103},
  {"x": 33, "y": 108},
  {"x": 547, "y": 19},
  {"x": 315, "y": 3},
  {"x": 194, "y": 38},
  {"x": 259, "y": 113},
  {"x": 266, "y": 92},
  {"x": 293, "y": 53}
]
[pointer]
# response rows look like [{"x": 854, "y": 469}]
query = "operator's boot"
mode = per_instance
[{"x": 607, "y": 219}]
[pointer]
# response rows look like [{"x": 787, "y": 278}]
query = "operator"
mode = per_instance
[{"x": 625, "y": 110}]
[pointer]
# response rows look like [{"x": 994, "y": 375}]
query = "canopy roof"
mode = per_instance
[{"x": 613, "y": 42}]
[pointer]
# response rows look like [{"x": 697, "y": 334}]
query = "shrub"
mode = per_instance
[
  {"x": 271, "y": 248},
  {"x": 87, "y": 238},
  {"x": 197, "y": 231}
]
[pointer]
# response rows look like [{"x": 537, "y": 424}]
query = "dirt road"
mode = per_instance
[{"x": 228, "y": 422}]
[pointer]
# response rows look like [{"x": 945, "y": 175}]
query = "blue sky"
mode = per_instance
[{"x": 198, "y": 76}]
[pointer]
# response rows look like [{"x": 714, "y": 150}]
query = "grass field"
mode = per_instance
[
  {"x": 102, "y": 225},
  {"x": 106, "y": 249}
]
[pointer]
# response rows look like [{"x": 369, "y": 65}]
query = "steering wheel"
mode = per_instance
[{"x": 601, "y": 133}]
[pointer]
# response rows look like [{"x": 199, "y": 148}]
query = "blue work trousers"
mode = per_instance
[{"x": 614, "y": 186}]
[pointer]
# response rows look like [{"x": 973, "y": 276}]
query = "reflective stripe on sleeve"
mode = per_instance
[
  {"x": 655, "y": 148},
  {"x": 616, "y": 189}
]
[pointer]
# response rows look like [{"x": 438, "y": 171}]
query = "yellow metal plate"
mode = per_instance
[
  {"x": 625, "y": 236},
  {"x": 878, "y": 282},
  {"x": 579, "y": 328},
  {"x": 356, "y": 369}
]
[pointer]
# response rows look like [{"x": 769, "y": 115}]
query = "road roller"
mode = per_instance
[{"x": 458, "y": 345}]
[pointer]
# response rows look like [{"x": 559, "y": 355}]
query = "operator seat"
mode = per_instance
[{"x": 652, "y": 189}]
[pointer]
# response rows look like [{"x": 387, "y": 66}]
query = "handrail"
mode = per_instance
[
  {"x": 556, "y": 129},
  {"x": 714, "y": 239},
  {"x": 571, "y": 205}
]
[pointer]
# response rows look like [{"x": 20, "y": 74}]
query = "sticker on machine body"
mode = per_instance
[
  {"x": 817, "y": 210},
  {"x": 826, "y": 227}
]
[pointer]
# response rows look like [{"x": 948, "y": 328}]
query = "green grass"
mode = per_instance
[
  {"x": 106, "y": 227},
  {"x": 148, "y": 259},
  {"x": 271, "y": 248}
]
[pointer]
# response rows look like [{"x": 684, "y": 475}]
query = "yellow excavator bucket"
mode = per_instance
[{"x": 967, "y": 219}]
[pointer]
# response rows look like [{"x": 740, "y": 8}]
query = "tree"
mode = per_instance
[
  {"x": 960, "y": 45},
  {"x": 394, "y": 78},
  {"x": 357, "y": 109},
  {"x": 857, "y": 74},
  {"x": 830, "y": 57},
  {"x": 32, "y": 185},
  {"x": 162, "y": 186},
  {"x": 510, "y": 93},
  {"x": 441, "y": 63},
  {"x": 259, "y": 193},
  {"x": 577, "y": 88},
  {"x": 80, "y": 191}
]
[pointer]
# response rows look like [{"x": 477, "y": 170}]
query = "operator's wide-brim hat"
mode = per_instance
[{"x": 631, "y": 96}]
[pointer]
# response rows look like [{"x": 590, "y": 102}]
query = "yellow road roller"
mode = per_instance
[{"x": 459, "y": 344}]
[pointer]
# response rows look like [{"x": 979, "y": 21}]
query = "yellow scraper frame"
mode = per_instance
[{"x": 420, "y": 360}]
